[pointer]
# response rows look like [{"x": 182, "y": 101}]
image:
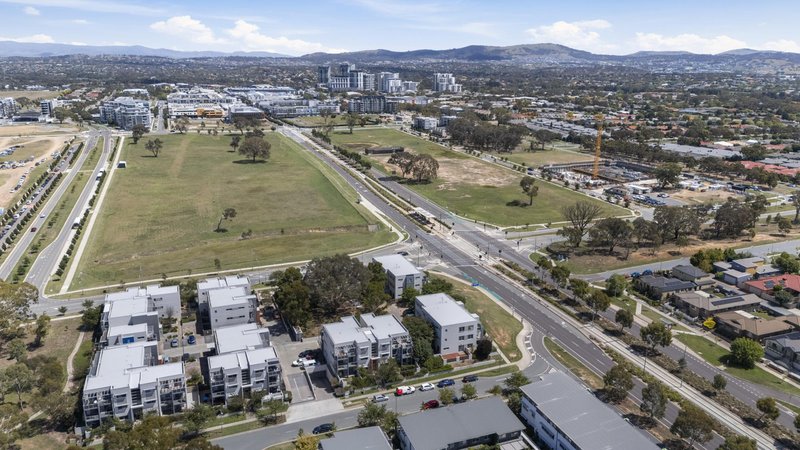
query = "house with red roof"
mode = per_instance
[{"x": 764, "y": 287}]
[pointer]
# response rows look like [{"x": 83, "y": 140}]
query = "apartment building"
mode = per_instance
[
  {"x": 8, "y": 107},
  {"x": 48, "y": 106},
  {"x": 365, "y": 342},
  {"x": 199, "y": 102},
  {"x": 295, "y": 107},
  {"x": 371, "y": 104},
  {"x": 445, "y": 82},
  {"x": 455, "y": 329},
  {"x": 126, "y": 112},
  {"x": 231, "y": 306},
  {"x": 128, "y": 382},
  {"x": 566, "y": 416},
  {"x": 347, "y": 78},
  {"x": 400, "y": 274},
  {"x": 165, "y": 300},
  {"x": 125, "y": 321},
  {"x": 209, "y": 284},
  {"x": 425, "y": 123},
  {"x": 244, "y": 363}
]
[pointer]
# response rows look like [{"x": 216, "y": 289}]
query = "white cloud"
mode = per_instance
[
  {"x": 686, "y": 42},
  {"x": 401, "y": 8},
  {"x": 782, "y": 45},
  {"x": 31, "y": 11},
  {"x": 251, "y": 38},
  {"x": 34, "y": 39},
  {"x": 187, "y": 28},
  {"x": 582, "y": 34},
  {"x": 93, "y": 6},
  {"x": 78, "y": 43},
  {"x": 80, "y": 21}
]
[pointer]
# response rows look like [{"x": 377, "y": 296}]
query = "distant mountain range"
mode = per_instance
[
  {"x": 11, "y": 48},
  {"x": 538, "y": 54}
]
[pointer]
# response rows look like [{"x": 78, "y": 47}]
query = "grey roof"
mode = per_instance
[
  {"x": 691, "y": 271},
  {"x": 749, "y": 262},
  {"x": 385, "y": 326},
  {"x": 344, "y": 332},
  {"x": 444, "y": 310},
  {"x": 711, "y": 303},
  {"x": 228, "y": 296},
  {"x": 664, "y": 283},
  {"x": 583, "y": 418},
  {"x": 435, "y": 429},
  {"x": 736, "y": 274},
  {"x": 791, "y": 340},
  {"x": 699, "y": 152},
  {"x": 370, "y": 438},
  {"x": 236, "y": 338},
  {"x": 397, "y": 265}
]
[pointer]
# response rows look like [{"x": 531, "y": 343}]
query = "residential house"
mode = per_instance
[
  {"x": 244, "y": 362},
  {"x": 128, "y": 382},
  {"x": 785, "y": 349},
  {"x": 765, "y": 287},
  {"x": 400, "y": 274},
  {"x": 747, "y": 265},
  {"x": 368, "y": 341},
  {"x": 767, "y": 270},
  {"x": 459, "y": 426},
  {"x": 369, "y": 438},
  {"x": 742, "y": 324},
  {"x": 658, "y": 287},
  {"x": 455, "y": 329},
  {"x": 697, "y": 276},
  {"x": 700, "y": 304}
]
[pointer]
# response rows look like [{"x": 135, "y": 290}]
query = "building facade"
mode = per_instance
[
  {"x": 445, "y": 82},
  {"x": 126, "y": 112},
  {"x": 455, "y": 329},
  {"x": 231, "y": 306},
  {"x": 400, "y": 274}
]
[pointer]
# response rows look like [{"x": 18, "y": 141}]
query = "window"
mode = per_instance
[
  {"x": 470, "y": 336},
  {"x": 460, "y": 329}
]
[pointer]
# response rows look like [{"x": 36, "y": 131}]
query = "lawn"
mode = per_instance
[
  {"x": 471, "y": 187},
  {"x": 498, "y": 323},
  {"x": 318, "y": 121},
  {"x": 572, "y": 364},
  {"x": 717, "y": 355},
  {"x": 160, "y": 214},
  {"x": 58, "y": 343}
]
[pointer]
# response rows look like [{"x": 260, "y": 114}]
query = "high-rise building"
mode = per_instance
[
  {"x": 445, "y": 82},
  {"x": 8, "y": 107},
  {"x": 324, "y": 74}
]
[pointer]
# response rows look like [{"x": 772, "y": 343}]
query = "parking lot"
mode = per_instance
[{"x": 295, "y": 377}]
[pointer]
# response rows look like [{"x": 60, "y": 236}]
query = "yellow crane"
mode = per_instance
[{"x": 598, "y": 143}]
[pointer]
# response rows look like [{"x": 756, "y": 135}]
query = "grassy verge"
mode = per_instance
[
  {"x": 572, "y": 363},
  {"x": 82, "y": 360},
  {"x": 227, "y": 431},
  {"x": 283, "y": 446},
  {"x": 717, "y": 356}
]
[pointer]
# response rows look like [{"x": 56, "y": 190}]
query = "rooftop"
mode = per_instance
[
  {"x": 788, "y": 281},
  {"x": 711, "y": 303},
  {"x": 385, "y": 326},
  {"x": 397, "y": 265},
  {"x": 587, "y": 421},
  {"x": 664, "y": 283},
  {"x": 691, "y": 271},
  {"x": 240, "y": 337},
  {"x": 220, "y": 282},
  {"x": 344, "y": 331},
  {"x": 129, "y": 365},
  {"x": 226, "y": 296},
  {"x": 242, "y": 359},
  {"x": 435, "y": 429},
  {"x": 370, "y": 438},
  {"x": 749, "y": 262},
  {"x": 756, "y": 326},
  {"x": 444, "y": 310},
  {"x": 125, "y": 307},
  {"x": 791, "y": 340}
]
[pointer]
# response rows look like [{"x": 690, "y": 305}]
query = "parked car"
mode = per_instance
[
  {"x": 173, "y": 343},
  {"x": 324, "y": 428},
  {"x": 378, "y": 398},
  {"x": 647, "y": 272},
  {"x": 430, "y": 404},
  {"x": 402, "y": 253},
  {"x": 426, "y": 387},
  {"x": 662, "y": 195},
  {"x": 446, "y": 382},
  {"x": 192, "y": 340},
  {"x": 469, "y": 379},
  {"x": 302, "y": 362},
  {"x": 404, "y": 390}
]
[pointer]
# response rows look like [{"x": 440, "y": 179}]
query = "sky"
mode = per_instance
[{"x": 298, "y": 27}]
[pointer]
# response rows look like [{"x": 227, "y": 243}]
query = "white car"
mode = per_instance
[
  {"x": 404, "y": 390},
  {"x": 426, "y": 387}
]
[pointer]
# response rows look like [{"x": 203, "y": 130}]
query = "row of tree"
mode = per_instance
[
  {"x": 484, "y": 136},
  {"x": 422, "y": 167}
]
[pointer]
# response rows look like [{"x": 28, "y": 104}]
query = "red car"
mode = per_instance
[{"x": 430, "y": 404}]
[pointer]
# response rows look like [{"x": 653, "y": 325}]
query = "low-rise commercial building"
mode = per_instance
[
  {"x": 400, "y": 274},
  {"x": 245, "y": 362},
  {"x": 459, "y": 426},
  {"x": 128, "y": 382},
  {"x": 455, "y": 329},
  {"x": 565, "y": 416},
  {"x": 367, "y": 342}
]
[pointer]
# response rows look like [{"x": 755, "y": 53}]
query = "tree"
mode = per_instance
[
  {"x": 235, "y": 141},
  {"x": 668, "y": 174},
  {"x": 91, "y": 318},
  {"x": 62, "y": 310},
  {"x": 797, "y": 422},
  {"x": 528, "y": 185},
  {"x": 196, "y": 418},
  {"x": 516, "y": 380},
  {"x": 610, "y": 232},
  {"x": 738, "y": 443},
  {"x": 42, "y": 328},
  {"x": 746, "y": 352},
  {"x": 388, "y": 373},
  {"x": 580, "y": 215},
  {"x": 374, "y": 415},
  {"x": 425, "y": 168},
  {"x": 624, "y": 317},
  {"x": 446, "y": 396},
  {"x": 786, "y": 263},
  {"x": 292, "y": 296},
  {"x": 784, "y": 225},
  {"x": 408, "y": 297},
  {"x": 61, "y": 114},
  {"x": 560, "y": 274},
  {"x": 733, "y": 217},
  {"x": 335, "y": 283},
  {"x": 154, "y": 146},
  {"x": 15, "y": 301},
  {"x": 598, "y": 301},
  {"x": 227, "y": 214},
  {"x": 796, "y": 204},
  {"x": 255, "y": 147},
  {"x": 617, "y": 383},
  {"x": 17, "y": 350},
  {"x": 693, "y": 424},
  {"x": 306, "y": 442},
  {"x": 675, "y": 221},
  {"x": 580, "y": 288},
  {"x": 769, "y": 409},
  {"x": 719, "y": 382},
  {"x": 783, "y": 297},
  {"x": 436, "y": 285},
  {"x": 18, "y": 379},
  {"x": 468, "y": 391},
  {"x": 616, "y": 285},
  {"x": 654, "y": 401},
  {"x": 483, "y": 348},
  {"x": 421, "y": 333},
  {"x": 137, "y": 132},
  {"x": 405, "y": 161},
  {"x": 351, "y": 120},
  {"x": 656, "y": 334},
  {"x": 269, "y": 413},
  {"x": 152, "y": 433},
  {"x": 181, "y": 125}
]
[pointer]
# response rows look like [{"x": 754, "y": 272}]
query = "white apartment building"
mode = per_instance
[
  {"x": 566, "y": 416},
  {"x": 128, "y": 320},
  {"x": 400, "y": 274},
  {"x": 48, "y": 106},
  {"x": 445, "y": 82},
  {"x": 455, "y": 329},
  {"x": 298, "y": 107},
  {"x": 209, "y": 284},
  {"x": 244, "y": 363},
  {"x": 370, "y": 342},
  {"x": 425, "y": 123},
  {"x": 165, "y": 300},
  {"x": 8, "y": 107},
  {"x": 126, "y": 112},
  {"x": 127, "y": 382},
  {"x": 231, "y": 306}
]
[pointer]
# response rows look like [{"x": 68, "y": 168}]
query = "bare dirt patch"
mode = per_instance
[
  {"x": 697, "y": 197},
  {"x": 36, "y": 129},
  {"x": 462, "y": 171},
  {"x": 10, "y": 177}
]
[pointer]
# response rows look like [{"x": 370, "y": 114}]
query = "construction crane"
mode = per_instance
[{"x": 598, "y": 143}]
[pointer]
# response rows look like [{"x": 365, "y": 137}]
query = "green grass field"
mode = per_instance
[
  {"x": 473, "y": 188},
  {"x": 160, "y": 214},
  {"x": 551, "y": 155},
  {"x": 318, "y": 121}
]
